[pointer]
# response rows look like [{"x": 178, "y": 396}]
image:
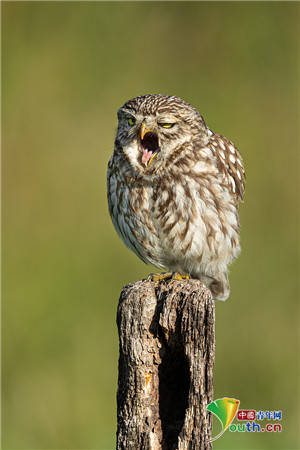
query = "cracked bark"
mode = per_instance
[{"x": 166, "y": 337}]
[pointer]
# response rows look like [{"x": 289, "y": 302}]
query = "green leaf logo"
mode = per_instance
[{"x": 225, "y": 410}]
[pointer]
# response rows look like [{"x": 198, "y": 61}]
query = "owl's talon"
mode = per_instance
[
  {"x": 159, "y": 276},
  {"x": 178, "y": 276},
  {"x": 167, "y": 276}
]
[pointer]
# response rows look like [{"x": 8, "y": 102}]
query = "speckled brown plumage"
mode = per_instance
[{"x": 174, "y": 188}]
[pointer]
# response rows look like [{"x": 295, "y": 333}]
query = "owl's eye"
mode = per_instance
[
  {"x": 166, "y": 125},
  {"x": 131, "y": 121}
]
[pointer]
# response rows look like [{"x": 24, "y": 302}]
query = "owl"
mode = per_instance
[{"x": 173, "y": 190}]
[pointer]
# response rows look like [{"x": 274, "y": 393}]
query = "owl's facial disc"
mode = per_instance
[{"x": 149, "y": 145}]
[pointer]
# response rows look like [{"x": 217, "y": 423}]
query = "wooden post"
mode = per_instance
[{"x": 166, "y": 334}]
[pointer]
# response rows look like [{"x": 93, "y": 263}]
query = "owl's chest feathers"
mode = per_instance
[{"x": 183, "y": 214}]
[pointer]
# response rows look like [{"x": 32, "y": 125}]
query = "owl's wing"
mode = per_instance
[{"x": 230, "y": 163}]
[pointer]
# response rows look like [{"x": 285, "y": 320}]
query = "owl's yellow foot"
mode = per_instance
[
  {"x": 179, "y": 276},
  {"x": 159, "y": 276},
  {"x": 167, "y": 276}
]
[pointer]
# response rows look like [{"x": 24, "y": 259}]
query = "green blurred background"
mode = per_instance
[{"x": 67, "y": 67}]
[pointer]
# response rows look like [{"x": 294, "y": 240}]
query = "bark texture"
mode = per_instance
[{"x": 166, "y": 334}]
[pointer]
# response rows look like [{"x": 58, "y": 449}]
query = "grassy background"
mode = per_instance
[{"x": 67, "y": 67}]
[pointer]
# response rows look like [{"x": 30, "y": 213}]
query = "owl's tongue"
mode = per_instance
[{"x": 146, "y": 156}]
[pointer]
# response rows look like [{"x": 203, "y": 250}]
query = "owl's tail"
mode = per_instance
[{"x": 218, "y": 284}]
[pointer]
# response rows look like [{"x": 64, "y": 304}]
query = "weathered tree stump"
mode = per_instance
[{"x": 166, "y": 334}]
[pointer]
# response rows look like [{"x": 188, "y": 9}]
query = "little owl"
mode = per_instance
[{"x": 173, "y": 190}]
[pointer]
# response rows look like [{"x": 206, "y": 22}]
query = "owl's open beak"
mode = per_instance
[{"x": 149, "y": 145}]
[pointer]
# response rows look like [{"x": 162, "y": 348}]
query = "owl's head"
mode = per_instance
[{"x": 154, "y": 130}]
